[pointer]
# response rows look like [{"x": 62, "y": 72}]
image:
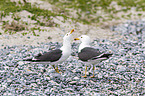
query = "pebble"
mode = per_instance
[
  {"x": 73, "y": 82},
  {"x": 120, "y": 68},
  {"x": 122, "y": 74},
  {"x": 21, "y": 63},
  {"x": 76, "y": 78}
]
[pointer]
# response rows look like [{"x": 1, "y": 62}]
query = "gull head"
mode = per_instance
[
  {"x": 84, "y": 39},
  {"x": 68, "y": 36}
]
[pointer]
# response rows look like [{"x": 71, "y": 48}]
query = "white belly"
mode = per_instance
[{"x": 65, "y": 55}]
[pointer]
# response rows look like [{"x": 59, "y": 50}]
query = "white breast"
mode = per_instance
[
  {"x": 82, "y": 45},
  {"x": 66, "y": 52}
]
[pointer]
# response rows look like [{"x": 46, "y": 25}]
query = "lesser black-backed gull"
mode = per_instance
[
  {"x": 88, "y": 54},
  {"x": 56, "y": 56}
]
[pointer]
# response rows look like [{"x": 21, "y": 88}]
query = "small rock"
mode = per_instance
[
  {"x": 76, "y": 78},
  {"x": 21, "y": 63},
  {"x": 121, "y": 68},
  {"x": 73, "y": 82}
]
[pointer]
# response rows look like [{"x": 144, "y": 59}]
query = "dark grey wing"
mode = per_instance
[
  {"x": 51, "y": 56},
  {"x": 88, "y": 53}
]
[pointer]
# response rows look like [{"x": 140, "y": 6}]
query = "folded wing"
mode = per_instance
[
  {"x": 51, "y": 56},
  {"x": 89, "y": 53}
]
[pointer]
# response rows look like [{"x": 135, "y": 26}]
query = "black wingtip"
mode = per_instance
[
  {"x": 31, "y": 59},
  {"x": 108, "y": 55},
  {"x": 27, "y": 59},
  {"x": 37, "y": 56}
]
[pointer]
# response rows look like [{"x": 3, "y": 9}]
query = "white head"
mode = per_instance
[
  {"x": 67, "y": 36},
  {"x": 84, "y": 39}
]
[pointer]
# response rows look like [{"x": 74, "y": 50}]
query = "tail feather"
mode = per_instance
[
  {"x": 103, "y": 56},
  {"x": 28, "y": 59},
  {"x": 107, "y": 55},
  {"x": 32, "y": 60}
]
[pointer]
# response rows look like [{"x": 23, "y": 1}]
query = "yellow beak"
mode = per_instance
[
  {"x": 72, "y": 31},
  {"x": 76, "y": 39}
]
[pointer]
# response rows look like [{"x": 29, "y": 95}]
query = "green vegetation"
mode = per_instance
[
  {"x": 87, "y": 11},
  {"x": 24, "y": 33},
  {"x": 7, "y": 7},
  {"x": 90, "y": 7},
  {"x": 15, "y": 26}
]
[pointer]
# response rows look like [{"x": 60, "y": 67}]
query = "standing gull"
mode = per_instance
[
  {"x": 56, "y": 56},
  {"x": 88, "y": 54}
]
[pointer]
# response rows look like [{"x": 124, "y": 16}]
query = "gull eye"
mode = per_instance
[
  {"x": 81, "y": 37},
  {"x": 66, "y": 34}
]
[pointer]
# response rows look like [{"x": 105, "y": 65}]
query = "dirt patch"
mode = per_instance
[{"x": 36, "y": 34}]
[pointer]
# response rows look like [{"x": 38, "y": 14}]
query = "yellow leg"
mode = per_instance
[
  {"x": 93, "y": 71},
  {"x": 56, "y": 69},
  {"x": 53, "y": 66},
  {"x": 85, "y": 73}
]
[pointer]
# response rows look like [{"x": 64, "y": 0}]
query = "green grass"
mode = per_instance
[
  {"x": 87, "y": 7},
  {"x": 10, "y": 7},
  {"x": 6, "y": 6},
  {"x": 90, "y": 7}
]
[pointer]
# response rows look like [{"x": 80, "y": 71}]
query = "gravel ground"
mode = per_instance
[{"x": 122, "y": 74}]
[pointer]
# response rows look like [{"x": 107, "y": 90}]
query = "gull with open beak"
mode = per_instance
[{"x": 57, "y": 56}]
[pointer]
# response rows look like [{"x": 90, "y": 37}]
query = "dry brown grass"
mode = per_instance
[{"x": 14, "y": 26}]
